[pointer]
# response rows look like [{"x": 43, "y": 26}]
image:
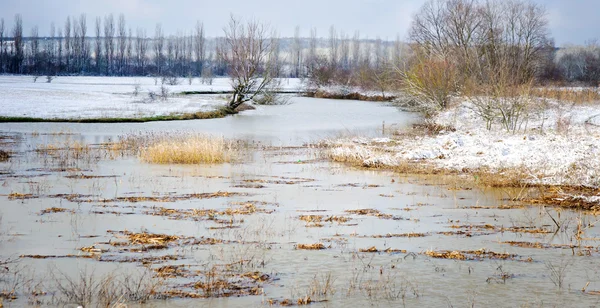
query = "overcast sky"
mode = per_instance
[{"x": 571, "y": 21}]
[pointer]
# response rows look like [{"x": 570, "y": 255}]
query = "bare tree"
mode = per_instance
[
  {"x": 122, "y": 44},
  {"x": 129, "y": 56},
  {"x": 68, "y": 43},
  {"x": 312, "y": 50},
  {"x": 247, "y": 50},
  {"x": 199, "y": 46},
  {"x": 98, "y": 44},
  {"x": 478, "y": 37},
  {"x": 18, "y": 46},
  {"x": 109, "y": 44},
  {"x": 34, "y": 47},
  {"x": 428, "y": 28},
  {"x": 296, "y": 53},
  {"x": 159, "y": 45},
  {"x": 334, "y": 44},
  {"x": 59, "y": 55},
  {"x": 344, "y": 51},
  {"x": 356, "y": 50},
  {"x": 141, "y": 50},
  {"x": 51, "y": 50},
  {"x": 2, "y": 50},
  {"x": 84, "y": 54},
  {"x": 275, "y": 56}
]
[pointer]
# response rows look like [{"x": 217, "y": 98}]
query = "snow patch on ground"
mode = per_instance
[
  {"x": 107, "y": 97},
  {"x": 548, "y": 150}
]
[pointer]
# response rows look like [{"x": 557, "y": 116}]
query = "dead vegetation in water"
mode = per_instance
[
  {"x": 247, "y": 208},
  {"x": 480, "y": 254},
  {"x": 373, "y": 213},
  {"x": 363, "y": 186},
  {"x": 180, "y": 148},
  {"x": 88, "y": 176},
  {"x": 406, "y": 235},
  {"x": 374, "y": 249},
  {"x": 316, "y": 246},
  {"x": 318, "y": 220},
  {"x": 165, "y": 198},
  {"x": 21, "y": 196},
  {"x": 145, "y": 241},
  {"x": 55, "y": 210},
  {"x": 514, "y": 229},
  {"x": 4, "y": 156},
  {"x": 110, "y": 290},
  {"x": 286, "y": 302},
  {"x": 215, "y": 283},
  {"x": 538, "y": 245},
  {"x": 173, "y": 271},
  {"x": 279, "y": 180},
  {"x": 580, "y": 198}
]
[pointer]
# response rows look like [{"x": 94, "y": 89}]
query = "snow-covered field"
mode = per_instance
[
  {"x": 107, "y": 97},
  {"x": 561, "y": 146}
]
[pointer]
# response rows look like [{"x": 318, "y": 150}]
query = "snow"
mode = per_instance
[
  {"x": 345, "y": 90},
  {"x": 548, "y": 150},
  {"x": 107, "y": 97}
]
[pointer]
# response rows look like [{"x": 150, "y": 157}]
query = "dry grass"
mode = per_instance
[
  {"x": 190, "y": 149},
  {"x": 573, "y": 95},
  {"x": 317, "y": 246},
  {"x": 472, "y": 255}
]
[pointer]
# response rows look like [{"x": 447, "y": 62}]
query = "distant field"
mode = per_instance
[{"x": 108, "y": 97}]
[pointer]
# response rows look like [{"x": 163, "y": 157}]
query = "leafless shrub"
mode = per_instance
[
  {"x": 50, "y": 78},
  {"x": 88, "y": 289},
  {"x": 558, "y": 272},
  {"x": 272, "y": 95},
  {"x": 430, "y": 84},
  {"x": 136, "y": 89},
  {"x": 207, "y": 76},
  {"x": 164, "y": 93},
  {"x": 322, "y": 285},
  {"x": 171, "y": 80}
]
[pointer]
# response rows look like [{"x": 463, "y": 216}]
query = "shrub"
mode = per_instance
[{"x": 430, "y": 83}]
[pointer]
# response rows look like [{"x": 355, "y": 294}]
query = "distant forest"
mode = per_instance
[
  {"x": 113, "y": 49},
  {"x": 109, "y": 47}
]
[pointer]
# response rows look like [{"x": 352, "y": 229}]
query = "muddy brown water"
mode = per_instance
[{"x": 258, "y": 226}]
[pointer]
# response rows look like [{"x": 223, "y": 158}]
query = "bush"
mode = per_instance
[{"x": 430, "y": 84}]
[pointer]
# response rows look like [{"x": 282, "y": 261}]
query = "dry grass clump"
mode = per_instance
[
  {"x": 317, "y": 246},
  {"x": 190, "y": 149},
  {"x": 388, "y": 250},
  {"x": 4, "y": 156},
  {"x": 54, "y": 210},
  {"x": 471, "y": 255}
]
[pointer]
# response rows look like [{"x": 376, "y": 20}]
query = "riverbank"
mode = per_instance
[{"x": 557, "y": 146}]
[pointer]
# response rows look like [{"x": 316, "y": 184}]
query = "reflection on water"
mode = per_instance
[{"x": 260, "y": 223}]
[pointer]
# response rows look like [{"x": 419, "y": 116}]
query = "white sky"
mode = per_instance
[{"x": 571, "y": 21}]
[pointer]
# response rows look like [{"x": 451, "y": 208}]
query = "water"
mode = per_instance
[{"x": 295, "y": 181}]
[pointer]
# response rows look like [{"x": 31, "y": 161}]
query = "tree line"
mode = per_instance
[
  {"x": 111, "y": 48},
  {"x": 472, "y": 41}
]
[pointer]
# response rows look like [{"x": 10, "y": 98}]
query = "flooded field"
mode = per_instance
[{"x": 85, "y": 223}]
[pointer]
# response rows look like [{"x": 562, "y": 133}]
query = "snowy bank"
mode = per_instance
[
  {"x": 108, "y": 97},
  {"x": 559, "y": 146}
]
